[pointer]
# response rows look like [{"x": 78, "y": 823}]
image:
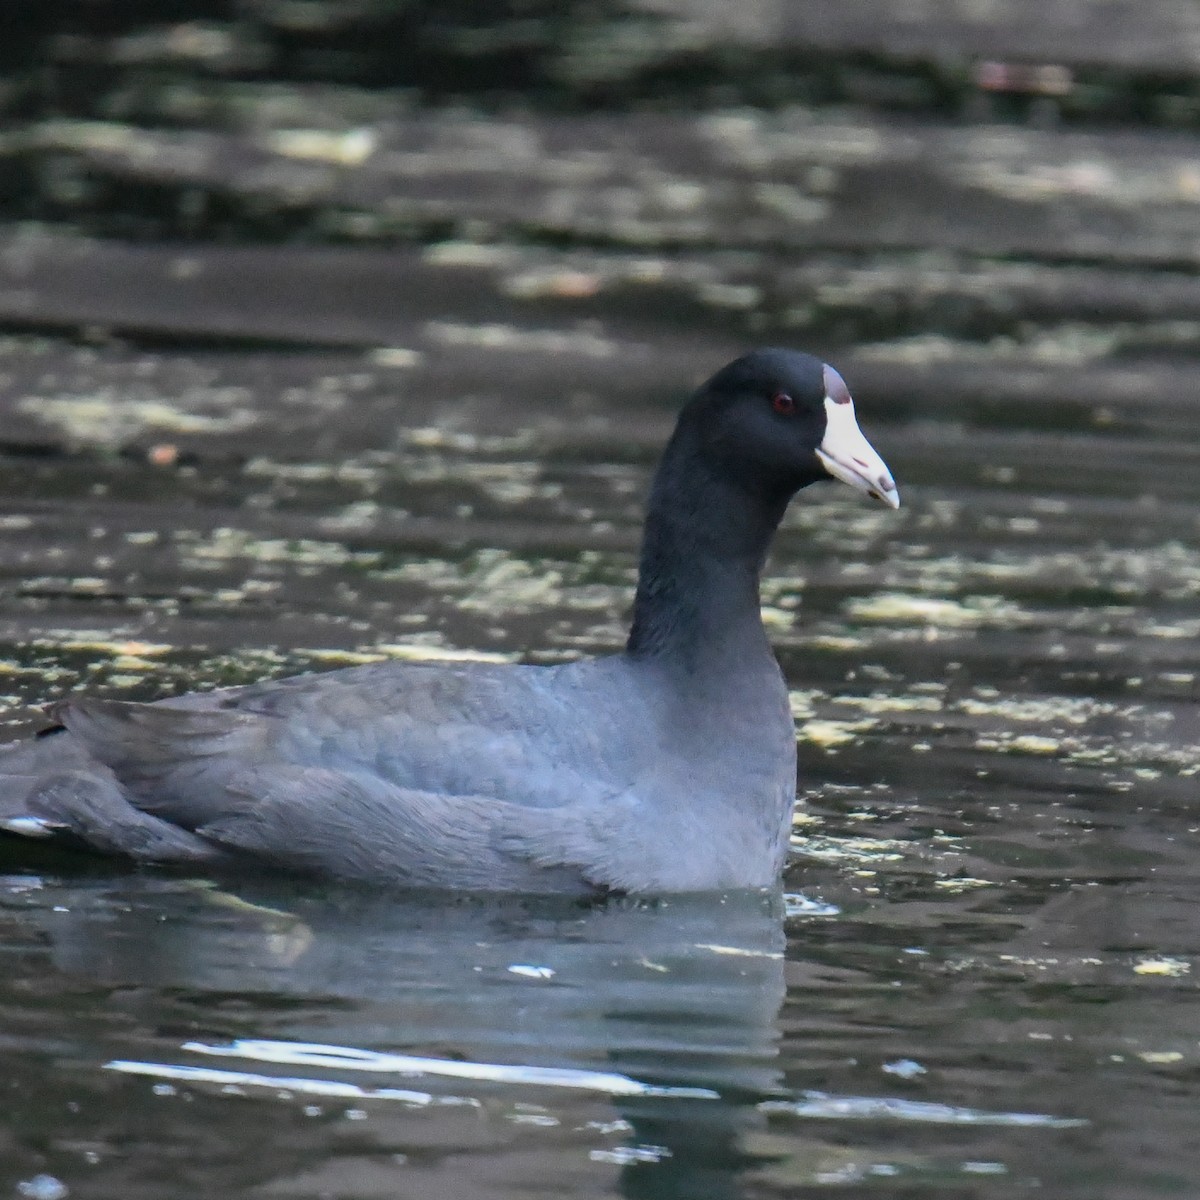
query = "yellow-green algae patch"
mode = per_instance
[
  {"x": 849, "y": 849},
  {"x": 227, "y": 544},
  {"x": 962, "y": 883},
  {"x": 1173, "y": 968},
  {"x": 880, "y": 702},
  {"x": 107, "y": 418},
  {"x": 938, "y": 611},
  {"x": 829, "y": 734},
  {"x": 103, "y": 645}
]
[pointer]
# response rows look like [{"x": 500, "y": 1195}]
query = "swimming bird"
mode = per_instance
[{"x": 668, "y": 767}]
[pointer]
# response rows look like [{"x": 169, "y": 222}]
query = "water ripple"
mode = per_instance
[{"x": 347, "y": 1058}]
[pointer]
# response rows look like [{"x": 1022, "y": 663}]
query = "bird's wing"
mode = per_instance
[
  {"x": 487, "y": 779},
  {"x": 356, "y": 827},
  {"x": 521, "y": 735}
]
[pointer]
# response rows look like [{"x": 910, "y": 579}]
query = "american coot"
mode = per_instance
[{"x": 668, "y": 767}]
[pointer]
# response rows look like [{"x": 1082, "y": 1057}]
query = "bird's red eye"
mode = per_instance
[{"x": 781, "y": 402}]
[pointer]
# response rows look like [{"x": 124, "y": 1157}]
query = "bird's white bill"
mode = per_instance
[{"x": 848, "y": 456}]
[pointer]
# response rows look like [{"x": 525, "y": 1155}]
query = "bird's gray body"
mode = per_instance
[{"x": 580, "y": 776}]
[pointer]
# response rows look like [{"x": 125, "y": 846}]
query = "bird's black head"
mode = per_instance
[{"x": 777, "y": 420}]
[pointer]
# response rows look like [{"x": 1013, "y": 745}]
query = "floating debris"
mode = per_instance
[{"x": 1173, "y": 968}]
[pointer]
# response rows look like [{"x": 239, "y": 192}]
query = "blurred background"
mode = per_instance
[{"x": 333, "y": 331}]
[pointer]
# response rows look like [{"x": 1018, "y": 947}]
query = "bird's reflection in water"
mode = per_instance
[{"x": 648, "y": 1025}]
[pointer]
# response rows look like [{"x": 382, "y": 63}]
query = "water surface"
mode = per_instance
[{"x": 981, "y": 981}]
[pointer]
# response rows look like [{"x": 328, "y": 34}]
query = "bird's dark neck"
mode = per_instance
[{"x": 706, "y": 538}]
